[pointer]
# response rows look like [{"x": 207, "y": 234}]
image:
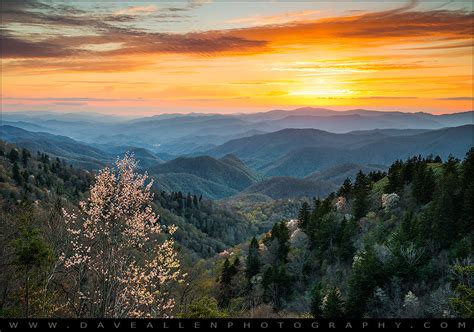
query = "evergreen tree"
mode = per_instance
[
  {"x": 463, "y": 302},
  {"x": 395, "y": 177},
  {"x": 16, "y": 173},
  {"x": 25, "y": 155},
  {"x": 446, "y": 224},
  {"x": 316, "y": 301},
  {"x": 31, "y": 254},
  {"x": 346, "y": 189},
  {"x": 281, "y": 234},
  {"x": 424, "y": 183},
  {"x": 467, "y": 190},
  {"x": 225, "y": 282},
  {"x": 367, "y": 273},
  {"x": 195, "y": 202},
  {"x": 304, "y": 215},
  {"x": 228, "y": 272},
  {"x": 253, "y": 260},
  {"x": 361, "y": 196},
  {"x": 277, "y": 286},
  {"x": 346, "y": 246},
  {"x": 189, "y": 201},
  {"x": 333, "y": 306},
  {"x": 14, "y": 156}
]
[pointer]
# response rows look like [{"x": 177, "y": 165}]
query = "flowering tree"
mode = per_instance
[{"x": 119, "y": 260}]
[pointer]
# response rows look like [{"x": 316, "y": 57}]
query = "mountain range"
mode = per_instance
[
  {"x": 179, "y": 134},
  {"x": 278, "y": 154}
]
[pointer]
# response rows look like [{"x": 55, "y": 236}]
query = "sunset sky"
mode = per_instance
[{"x": 141, "y": 58}]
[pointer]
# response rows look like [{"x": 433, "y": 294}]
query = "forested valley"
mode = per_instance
[{"x": 78, "y": 243}]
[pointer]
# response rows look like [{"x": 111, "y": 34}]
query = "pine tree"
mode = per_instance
[
  {"x": 281, "y": 234},
  {"x": 31, "y": 253},
  {"x": 446, "y": 224},
  {"x": 346, "y": 246},
  {"x": 395, "y": 177},
  {"x": 304, "y": 215},
  {"x": 467, "y": 190},
  {"x": 361, "y": 196},
  {"x": 16, "y": 173},
  {"x": 25, "y": 155},
  {"x": 14, "y": 156},
  {"x": 277, "y": 286},
  {"x": 225, "y": 280},
  {"x": 367, "y": 272},
  {"x": 424, "y": 183},
  {"x": 346, "y": 189},
  {"x": 253, "y": 260},
  {"x": 333, "y": 304},
  {"x": 316, "y": 301}
]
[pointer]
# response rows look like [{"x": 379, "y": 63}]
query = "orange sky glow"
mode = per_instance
[{"x": 202, "y": 56}]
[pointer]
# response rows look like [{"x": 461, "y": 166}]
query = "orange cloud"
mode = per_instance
[
  {"x": 275, "y": 19},
  {"x": 137, "y": 10},
  {"x": 403, "y": 56}
]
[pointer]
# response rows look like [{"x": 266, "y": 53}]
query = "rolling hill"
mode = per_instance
[
  {"x": 288, "y": 187},
  {"x": 300, "y": 152},
  {"x": 75, "y": 152},
  {"x": 213, "y": 178},
  {"x": 59, "y": 146}
]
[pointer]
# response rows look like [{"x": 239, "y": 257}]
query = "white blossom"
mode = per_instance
[{"x": 120, "y": 265}]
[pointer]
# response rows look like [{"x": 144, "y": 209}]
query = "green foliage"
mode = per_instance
[
  {"x": 282, "y": 236},
  {"x": 333, "y": 304},
  {"x": 463, "y": 302},
  {"x": 253, "y": 260},
  {"x": 346, "y": 189},
  {"x": 227, "y": 290},
  {"x": 361, "y": 195},
  {"x": 367, "y": 273},
  {"x": 467, "y": 190},
  {"x": 304, "y": 214},
  {"x": 424, "y": 184},
  {"x": 276, "y": 283},
  {"x": 316, "y": 300},
  {"x": 345, "y": 242},
  {"x": 204, "y": 308},
  {"x": 30, "y": 249},
  {"x": 395, "y": 258}
]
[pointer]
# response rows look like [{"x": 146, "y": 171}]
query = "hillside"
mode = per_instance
[
  {"x": 399, "y": 246},
  {"x": 204, "y": 227},
  {"x": 300, "y": 152},
  {"x": 260, "y": 150},
  {"x": 289, "y": 187},
  {"x": 337, "y": 174},
  {"x": 213, "y": 178},
  {"x": 90, "y": 156},
  {"x": 61, "y": 146}
]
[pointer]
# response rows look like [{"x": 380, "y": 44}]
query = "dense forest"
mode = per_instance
[{"x": 389, "y": 244}]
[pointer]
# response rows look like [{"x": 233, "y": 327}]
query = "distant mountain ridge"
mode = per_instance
[
  {"x": 300, "y": 152},
  {"x": 224, "y": 155},
  {"x": 192, "y": 133}
]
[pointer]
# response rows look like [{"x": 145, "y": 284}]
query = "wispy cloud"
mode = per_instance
[
  {"x": 276, "y": 18},
  {"x": 379, "y": 28},
  {"x": 137, "y": 10},
  {"x": 456, "y": 98}
]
